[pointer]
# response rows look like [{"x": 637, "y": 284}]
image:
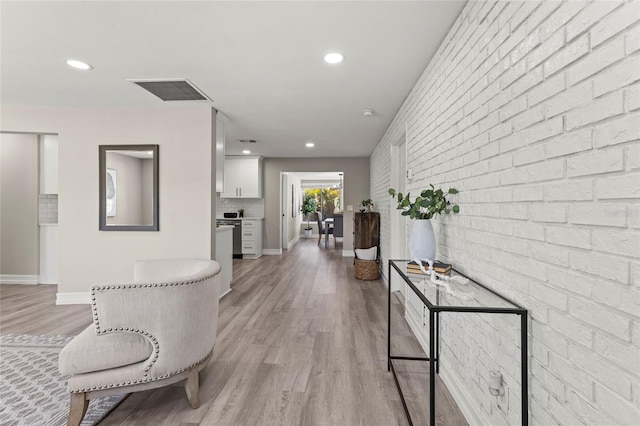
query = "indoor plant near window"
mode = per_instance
[
  {"x": 309, "y": 206},
  {"x": 429, "y": 204},
  {"x": 366, "y": 205}
]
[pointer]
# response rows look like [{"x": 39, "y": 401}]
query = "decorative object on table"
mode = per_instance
[
  {"x": 241, "y": 213},
  {"x": 440, "y": 268},
  {"x": 366, "y": 206},
  {"x": 38, "y": 392},
  {"x": 309, "y": 206},
  {"x": 455, "y": 285},
  {"x": 428, "y": 205},
  {"x": 366, "y": 241}
]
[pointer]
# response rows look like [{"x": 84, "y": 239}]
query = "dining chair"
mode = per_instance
[
  {"x": 338, "y": 226},
  {"x": 321, "y": 227}
]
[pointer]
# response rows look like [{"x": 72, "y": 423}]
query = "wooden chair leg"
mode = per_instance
[
  {"x": 77, "y": 408},
  {"x": 191, "y": 387}
]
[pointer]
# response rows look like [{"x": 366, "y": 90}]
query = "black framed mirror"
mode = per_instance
[{"x": 128, "y": 187}]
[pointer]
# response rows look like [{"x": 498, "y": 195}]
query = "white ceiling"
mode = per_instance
[{"x": 260, "y": 62}]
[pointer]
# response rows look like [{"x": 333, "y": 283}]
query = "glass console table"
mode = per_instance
[{"x": 452, "y": 296}]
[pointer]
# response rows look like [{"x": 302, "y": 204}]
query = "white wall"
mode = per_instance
[
  {"x": 88, "y": 256},
  {"x": 294, "y": 228},
  {"x": 530, "y": 109},
  {"x": 19, "y": 207},
  {"x": 356, "y": 188}
]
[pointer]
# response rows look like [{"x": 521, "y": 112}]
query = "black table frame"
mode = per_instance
[{"x": 434, "y": 342}]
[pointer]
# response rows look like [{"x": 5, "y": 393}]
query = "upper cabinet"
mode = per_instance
[
  {"x": 242, "y": 177},
  {"x": 220, "y": 122},
  {"x": 49, "y": 164}
]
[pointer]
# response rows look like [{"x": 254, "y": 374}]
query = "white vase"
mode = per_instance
[{"x": 422, "y": 241}]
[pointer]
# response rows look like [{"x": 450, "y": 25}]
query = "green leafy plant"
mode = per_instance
[
  {"x": 429, "y": 204},
  {"x": 365, "y": 205},
  {"x": 309, "y": 205}
]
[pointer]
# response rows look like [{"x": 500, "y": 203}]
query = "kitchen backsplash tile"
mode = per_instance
[
  {"x": 48, "y": 208},
  {"x": 253, "y": 207}
]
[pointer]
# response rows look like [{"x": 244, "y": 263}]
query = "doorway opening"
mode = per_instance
[
  {"x": 326, "y": 188},
  {"x": 29, "y": 200}
]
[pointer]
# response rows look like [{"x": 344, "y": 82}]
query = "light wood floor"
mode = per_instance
[{"x": 300, "y": 342}]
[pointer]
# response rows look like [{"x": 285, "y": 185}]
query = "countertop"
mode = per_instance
[
  {"x": 224, "y": 228},
  {"x": 239, "y": 218}
]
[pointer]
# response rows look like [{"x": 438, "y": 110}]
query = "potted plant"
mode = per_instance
[
  {"x": 366, "y": 205},
  {"x": 309, "y": 205},
  {"x": 428, "y": 205}
]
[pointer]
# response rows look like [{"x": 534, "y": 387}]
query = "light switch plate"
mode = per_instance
[{"x": 349, "y": 208}]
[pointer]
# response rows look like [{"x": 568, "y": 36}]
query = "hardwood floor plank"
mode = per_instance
[{"x": 300, "y": 342}]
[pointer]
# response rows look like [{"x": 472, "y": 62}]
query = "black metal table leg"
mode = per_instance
[
  {"x": 524, "y": 368},
  {"x": 438, "y": 342},
  {"x": 389, "y": 320},
  {"x": 432, "y": 370}
]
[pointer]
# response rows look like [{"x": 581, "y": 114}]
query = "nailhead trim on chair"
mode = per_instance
[
  {"x": 146, "y": 380},
  {"x": 153, "y": 339}
]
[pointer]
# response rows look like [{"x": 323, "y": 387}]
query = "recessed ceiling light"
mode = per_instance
[
  {"x": 333, "y": 58},
  {"x": 367, "y": 112},
  {"x": 310, "y": 144},
  {"x": 78, "y": 64},
  {"x": 246, "y": 151}
]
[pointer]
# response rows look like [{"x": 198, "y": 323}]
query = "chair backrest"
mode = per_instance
[
  {"x": 338, "y": 225},
  {"x": 320, "y": 223}
]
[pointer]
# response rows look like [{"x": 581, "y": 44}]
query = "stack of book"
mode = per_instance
[{"x": 439, "y": 267}]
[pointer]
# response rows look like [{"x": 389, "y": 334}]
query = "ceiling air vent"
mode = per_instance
[
  {"x": 176, "y": 89},
  {"x": 247, "y": 141}
]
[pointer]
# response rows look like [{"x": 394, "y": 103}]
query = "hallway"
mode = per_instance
[{"x": 300, "y": 342}]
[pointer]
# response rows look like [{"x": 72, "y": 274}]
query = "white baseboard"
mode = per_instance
[
  {"x": 385, "y": 280},
  {"x": 224, "y": 294},
  {"x": 348, "y": 253},
  {"x": 19, "y": 279},
  {"x": 272, "y": 252},
  {"x": 80, "y": 298},
  {"x": 460, "y": 396},
  {"x": 293, "y": 242}
]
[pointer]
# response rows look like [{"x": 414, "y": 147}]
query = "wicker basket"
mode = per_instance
[{"x": 367, "y": 269}]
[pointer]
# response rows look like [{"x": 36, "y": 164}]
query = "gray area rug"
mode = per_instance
[{"x": 32, "y": 391}]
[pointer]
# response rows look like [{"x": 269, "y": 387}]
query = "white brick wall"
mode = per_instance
[{"x": 531, "y": 110}]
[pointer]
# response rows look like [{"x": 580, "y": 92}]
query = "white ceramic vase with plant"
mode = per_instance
[{"x": 428, "y": 205}]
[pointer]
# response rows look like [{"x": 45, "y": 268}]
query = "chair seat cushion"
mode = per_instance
[{"x": 89, "y": 352}]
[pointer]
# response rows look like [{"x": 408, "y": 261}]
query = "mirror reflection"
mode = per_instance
[{"x": 128, "y": 187}]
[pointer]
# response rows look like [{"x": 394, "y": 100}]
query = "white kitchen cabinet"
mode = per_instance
[
  {"x": 242, "y": 177},
  {"x": 49, "y": 164},
  {"x": 224, "y": 256},
  {"x": 251, "y": 239},
  {"x": 220, "y": 151}
]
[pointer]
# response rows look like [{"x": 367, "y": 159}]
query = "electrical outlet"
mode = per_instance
[
  {"x": 349, "y": 208},
  {"x": 502, "y": 401},
  {"x": 409, "y": 174}
]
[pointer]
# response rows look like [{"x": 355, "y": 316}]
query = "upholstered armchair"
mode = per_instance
[{"x": 158, "y": 330}]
